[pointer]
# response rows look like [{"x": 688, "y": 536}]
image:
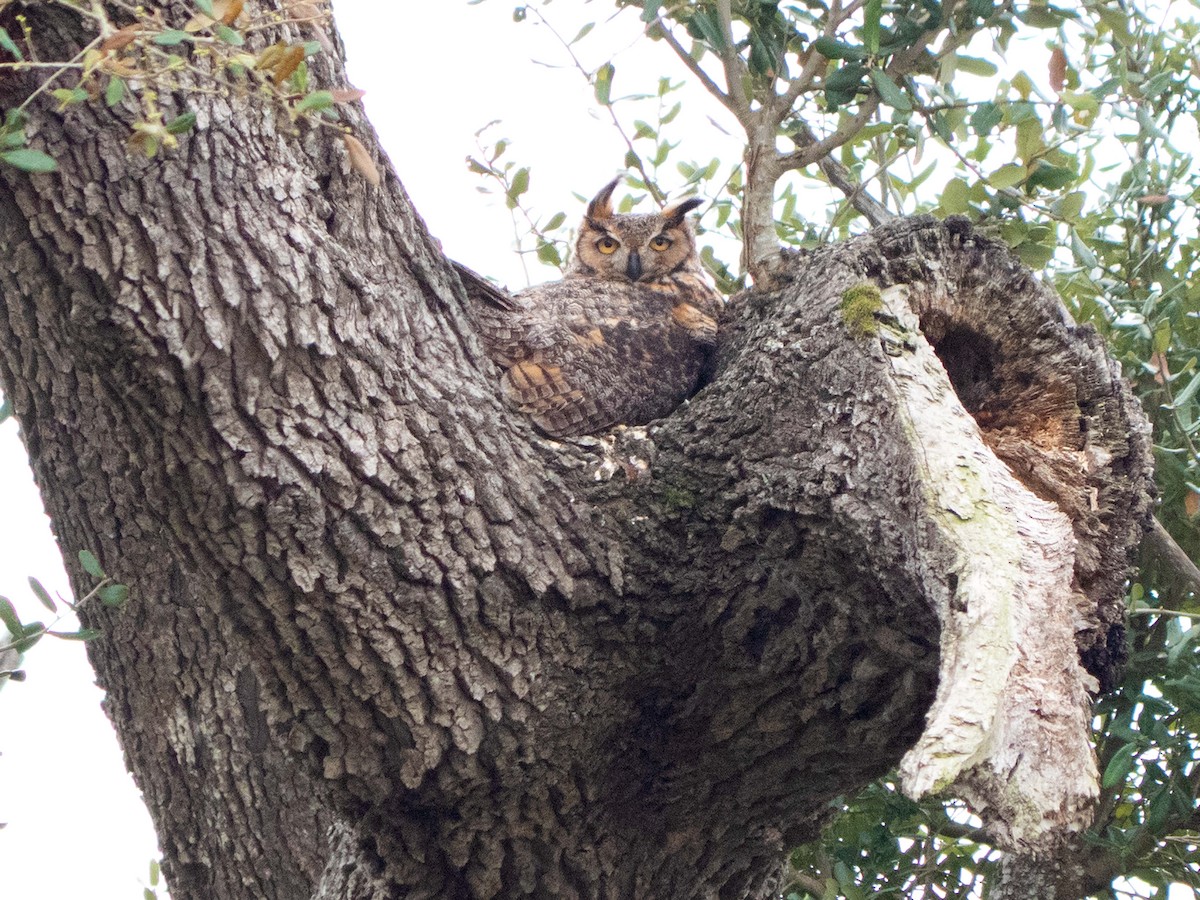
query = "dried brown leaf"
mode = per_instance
[
  {"x": 347, "y": 95},
  {"x": 360, "y": 160},
  {"x": 121, "y": 66},
  {"x": 1058, "y": 70},
  {"x": 322, "y": 38},
  {"x": 270, "y": 56},
  {"x": 304, "y": 10},
  {"x": 198, "y": 22},
  {"x": 313, "y": 15},
  {"x": 288, "y": 62},
  {"x": 121, "y": 38},
  {"x": 228, "y": 10},
  {"x": 1158, "y": 361},
  {"x": 225, "y": 11}
]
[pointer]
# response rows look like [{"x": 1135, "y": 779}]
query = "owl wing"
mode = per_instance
[
  {"x": 563, "y": 355},
  {"x": 695, "y": 305},
  {"x": 482, "y": 292},
  {"x": 559, "y": 401},
  {"x": 511, "y": 325},
  {"x": 616, "y": 354}
]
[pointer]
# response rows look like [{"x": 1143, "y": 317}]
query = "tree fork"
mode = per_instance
[{"x": 387, "y": 639}]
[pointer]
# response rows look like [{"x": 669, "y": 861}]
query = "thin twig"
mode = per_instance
[
  {"x": 1159, "y": 541},
  {"x": 1157, "y": 611},
  {"x": 839, "y": 176},
  {"x": 735, "y": 71},
  {"x": 806, "y": 883},
  {"x": 1011, "y": 193},
  {"x": 686, "y": 58},
  {"x": 844, "y": 132},
  {"x": 63, "y": 67},
  {"x": 25, "y": 64},
  {"x": 651, "y": 184}
]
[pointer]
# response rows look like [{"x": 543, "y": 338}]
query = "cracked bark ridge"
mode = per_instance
[
  {"x": 1036, "y": 465},
  {"x": 385, "y": 640}
]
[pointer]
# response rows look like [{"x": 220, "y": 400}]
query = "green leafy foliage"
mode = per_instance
[
  {"x": 90, "y": 564},
  {"x": 228, "y": 35},
  {"x": 20, "y": 636},
  {"x": 114, "y": 93},
  {"x": 150, "y": 892},
  {"x": 113, "y": 594},
  {"x": 603, "y": 83},
  {"x": 881, "y": 844},
  {"x": 9, "y": 618},
  {"x": 172, "y": 37},
  {"x": 27, "y": 159},
  {"x": 315, "y": 102},
  {"x": 511, "y": 180},
  {"x": 8, "y": 45},
  {"x": 134, "y": 61},
  {"x": 42, "y": 594},
  {"x": 182, "y": 124}
]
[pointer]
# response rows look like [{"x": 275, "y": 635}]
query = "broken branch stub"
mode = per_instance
[
  {"x": 1009, "y": 727},
  {"x": 1022, "y": 481},
  {"x": 1037, "y": 476}
]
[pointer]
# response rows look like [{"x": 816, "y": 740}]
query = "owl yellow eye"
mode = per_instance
[
  {"x": 660, "y": 243},
  {"x": 607, "y": 244}
]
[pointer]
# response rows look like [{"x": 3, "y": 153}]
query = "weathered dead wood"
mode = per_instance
[{"x": 1035, "y": 465}]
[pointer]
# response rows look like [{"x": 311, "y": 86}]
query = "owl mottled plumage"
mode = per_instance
[{"x": 622, "y": 339}]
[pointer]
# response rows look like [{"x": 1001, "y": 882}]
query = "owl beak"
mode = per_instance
[{"x": 633, "y": 267}]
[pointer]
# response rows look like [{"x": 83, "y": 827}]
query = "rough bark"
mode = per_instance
[{"x": 387, "y": 641}]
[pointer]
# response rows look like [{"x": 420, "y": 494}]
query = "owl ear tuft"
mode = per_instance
[
  {"x": 674, "y": 212},
  {"x": 601, "y": 206}
]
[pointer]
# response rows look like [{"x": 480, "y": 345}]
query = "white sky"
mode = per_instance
[{"x": 434, "y": 74}]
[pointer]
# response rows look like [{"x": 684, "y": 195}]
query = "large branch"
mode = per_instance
[
  {"x": 246, "y": 383},
  {"x": 972, "y": 449},
  {"x": 638, "y": 665}
]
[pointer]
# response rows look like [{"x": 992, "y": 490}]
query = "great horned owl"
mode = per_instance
[{"x": 622, "y": 339}]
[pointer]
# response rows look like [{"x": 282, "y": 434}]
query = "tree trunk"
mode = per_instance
[{"x": 385, "y": 640}]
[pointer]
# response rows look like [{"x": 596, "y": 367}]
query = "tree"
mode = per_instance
[{"x": 393, "y": 642}]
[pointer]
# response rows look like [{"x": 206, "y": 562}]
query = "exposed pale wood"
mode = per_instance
[{"x": 1009, "y": 730}]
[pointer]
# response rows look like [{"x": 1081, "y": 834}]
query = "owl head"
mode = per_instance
[{"x": 635, "y": 247}]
